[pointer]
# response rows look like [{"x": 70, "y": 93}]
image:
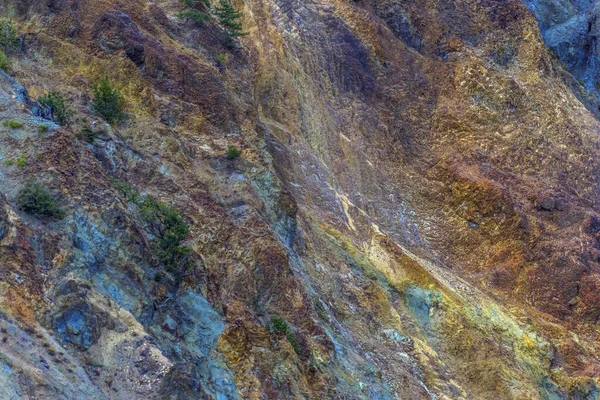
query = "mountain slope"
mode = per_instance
[{"x": 414, "y": 213}]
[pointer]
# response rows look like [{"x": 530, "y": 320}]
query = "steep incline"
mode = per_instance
[{"x": 414, "y": 215}]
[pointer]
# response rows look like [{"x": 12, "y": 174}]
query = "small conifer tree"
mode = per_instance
[
  {"x": 9, "y": 38},
  {"x": 108, "y": 102},
  {"x": 229, "y": 18},
  {"x": 195, "y": 10},
  {"x": 58, "y": 104}
]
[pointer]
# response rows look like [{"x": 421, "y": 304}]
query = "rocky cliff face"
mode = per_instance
[
  {"x": 570, "y": 29},
  {"x": 414, "y": 214}
]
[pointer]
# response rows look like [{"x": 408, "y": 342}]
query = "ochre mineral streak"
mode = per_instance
[{"x": 414, "y": 212}]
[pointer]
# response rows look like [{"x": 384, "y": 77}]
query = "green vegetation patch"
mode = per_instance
[
  {"x": 233, "y": 153},
  {"x": 4, "y": 61},
  {"x": 229, "y": 19},
  {"x": 58, "y": 104},
  {"x": 12, "y": 124},
  {"x": 9, "y": 38},
  {"x": 127, "y": 190},
  {"x": 36, "y": 200},
  {"x": 22, "y": 161},
  {"x": 90, "y": 135},
  {"x": 108, "y": 102},
  {"x": 279, "y": 326},
  {"x": 196, "y": 10},
  {"x": 169, "y": 229}
]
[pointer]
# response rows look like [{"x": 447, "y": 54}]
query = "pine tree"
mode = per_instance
[
  {"x": 195, "y": 10},
  {"x": 229, "y": 18},
  {"x": 108, "y": 102}
]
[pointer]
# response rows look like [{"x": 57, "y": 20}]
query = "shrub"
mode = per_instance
[
  {"x": 22, "y": 161},
  {"x": 229, "y": 18},
  {"x": 126, "y": 190},
  {"x": 233, "y": 152},
  {"x": 280, "y": 326},
  {"x": 195, "y": 10},
  {"x": 108, "y": 102},
  {"x": 196, "y": 3},
  {"x": 9, "y": 162},
  {"x": 221, "y": 62},
  {"x": 169, "y": 228},
  {"x": 9, "y": 38},
  {"x": 4, "y": 61},
  {"x": 57, "y": 103},
  {"x": 12, "y": 124},
  {"x": 91, "y": 135},
  {"x": 35, "y": 199},
  {"x": 196, "y": 16}
]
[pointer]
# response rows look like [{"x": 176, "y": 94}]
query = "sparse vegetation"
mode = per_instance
[
  {"x": 4, "y": 61},
  {"x": 35, "y": 199},
  {"x": 9, "y": 39},
  {"x": 233, "y": 153},
  {"x": 127, "y": 190},
  {"x": 43, "y": 128},
  {"x": 9, "y": 162},
  {"x": 108, "y": 102},
  {"x": 91, "y": 135},
  {"x": 168, "y": 227},
  {"x": 196, "y": 16},
  {"x": 196, "y": 10},
  {"x": 221, "y": 62},
  {"x": 22, "y": 161},
  {"x": 229, "y": 19},
  {"x": 57, "y": 103},
  {"x": 280, "y": 326},
  {"x": 12, "y": 124}
]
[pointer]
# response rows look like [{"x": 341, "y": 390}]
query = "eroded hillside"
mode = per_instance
[{"x": 414, "y": 213}]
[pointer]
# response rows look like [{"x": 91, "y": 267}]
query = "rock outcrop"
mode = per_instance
[{"x": 570, "y": 29}]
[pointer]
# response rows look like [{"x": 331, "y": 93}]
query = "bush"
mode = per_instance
[
  {"x": 126, "y": 190},
  {"x": 169, "y": 228},
  {"x": 195, "y": 10},
  {"x": 9, "y": 38},
  {"x": 4, "y": 61},
  {"x": 12, "y": 124},
  {"x": 108, "y": 102},
  {"x": 233, "y": 152},
  {"x": 91, "y": 135},
  {"x": 221, "y": 62},
  {"x": 196, "y": 16},
  {"x": 280, "y": 326},
  {"x": 22, "y": 161},
  {"x": 35, "y": 199},
  {"x": 57, "y": 103}
]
